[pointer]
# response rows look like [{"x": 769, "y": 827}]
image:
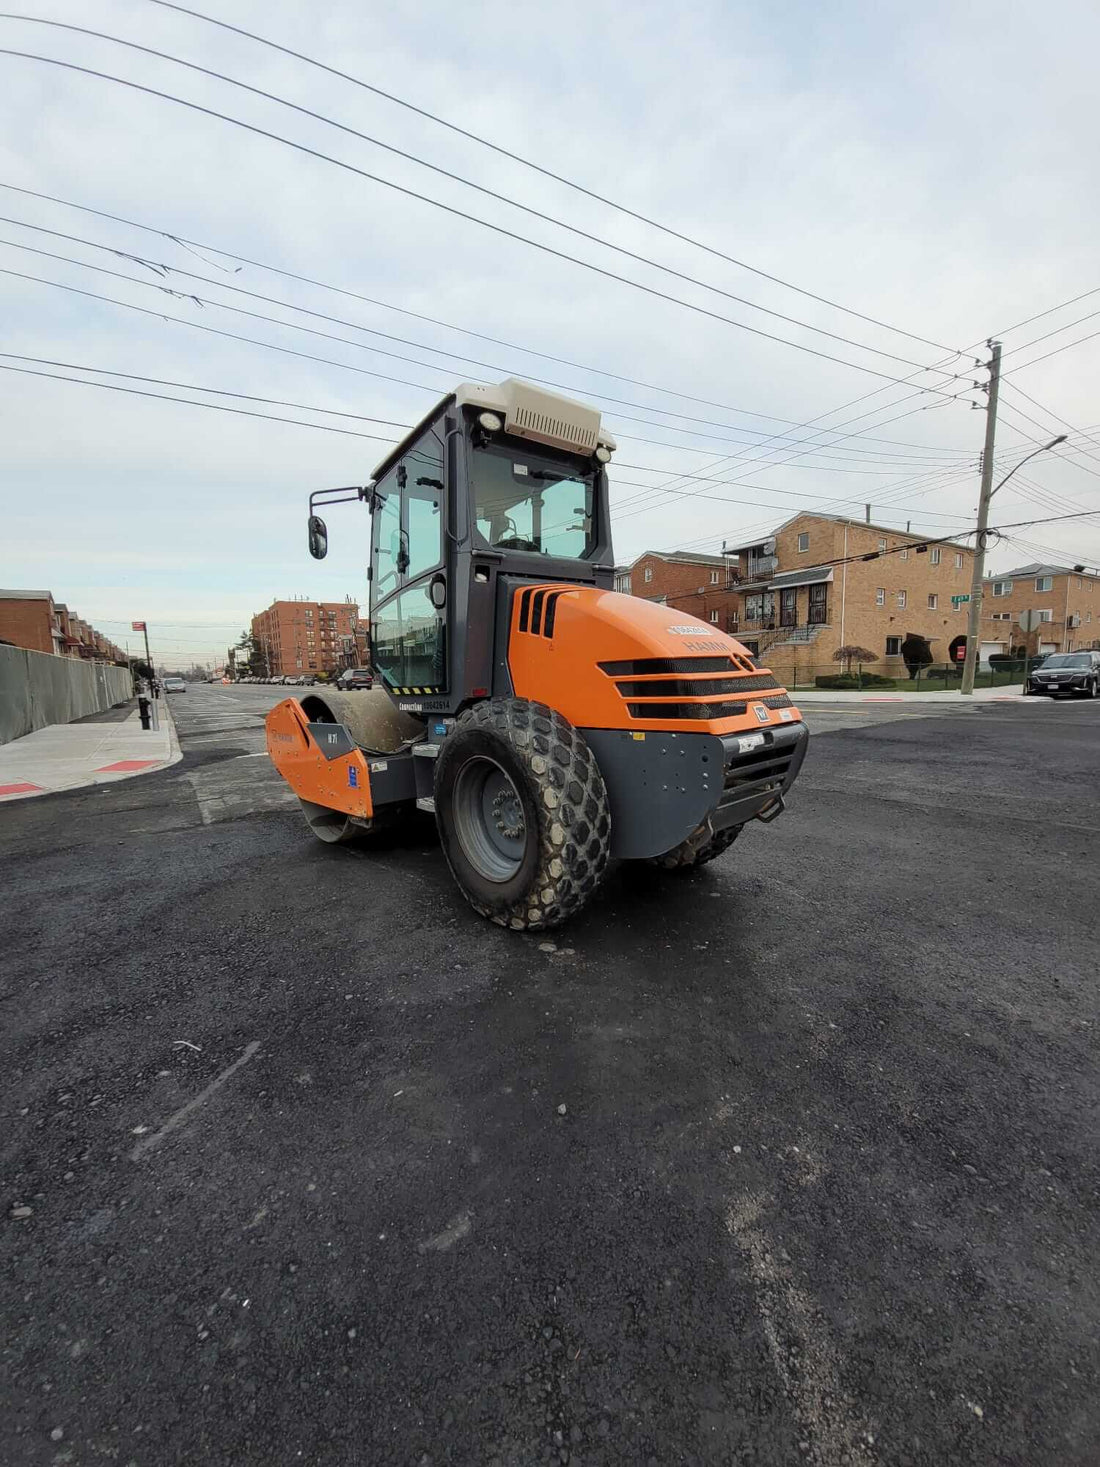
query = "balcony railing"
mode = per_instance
[{"x": 758, "y": 566}]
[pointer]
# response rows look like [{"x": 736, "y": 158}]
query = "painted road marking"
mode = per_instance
[
  {"x": 21, "y": 789},
  {"x": 124, "y": 766},
  {"x": 173, "y": 1122}
]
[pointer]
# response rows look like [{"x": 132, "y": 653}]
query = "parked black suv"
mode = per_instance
[{"x": 1066, "y": 672}]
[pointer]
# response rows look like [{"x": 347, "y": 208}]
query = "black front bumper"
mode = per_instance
[
  {"x": 664, "y": 786},
  {"x": 1059, "y": 685},
  {"x": 755, "y": 780}
]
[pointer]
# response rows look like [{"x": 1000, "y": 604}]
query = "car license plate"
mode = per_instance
[{"x": 749, "y": 741}]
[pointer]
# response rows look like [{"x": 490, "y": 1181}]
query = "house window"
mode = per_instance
[
  {"x": 1046, "y": 614},
  {"x": 933, "y": 602},
  {"x": 1078, "y": 582},
  {"x": 1002, "y": 588},
  {"x": 934, "y": 555},
  {"x": 1044, "y": 583},
  {"x": 882, "y": 547},
  {"x": 714, "y": 578},
  {"x": 1088, "y": 615},
  {"x": 905, "y": 553},
  {"x": 901, "y": 600},
  {"x": 958, "y": 562},
  {"x": 714, "y": 617},
  {"x": 1002, "y": 616},
  {"x": 648, "y": 575},
  {"x": 880, "y": 596},
  {"x": 893, "y": 646},
  {"x": 804, "y": 541}
]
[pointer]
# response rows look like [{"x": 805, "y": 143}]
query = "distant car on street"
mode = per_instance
[
  {"x": 355, "y": 677},
  {"x": 1076, "y": 673},
  {"x": 175, "y": 685}
]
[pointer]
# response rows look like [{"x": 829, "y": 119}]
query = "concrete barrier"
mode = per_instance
[{"x": 37, "y": 689}]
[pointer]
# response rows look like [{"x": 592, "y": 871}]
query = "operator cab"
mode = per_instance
[{"x": 496, "y": 486}]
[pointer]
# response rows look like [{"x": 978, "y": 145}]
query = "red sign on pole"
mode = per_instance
[
  {"x": 960, "y": 653},
  {"x": 137, "y": 626}
]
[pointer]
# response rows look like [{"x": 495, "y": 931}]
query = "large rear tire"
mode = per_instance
[
  {"x": 694, "y": 852},
  {"x": 522, "y": 813}
]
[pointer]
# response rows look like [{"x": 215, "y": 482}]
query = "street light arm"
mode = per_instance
[{"x": 1043, "y": 448}]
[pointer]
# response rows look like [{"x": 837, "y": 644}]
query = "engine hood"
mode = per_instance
[{"x": 607, "y": 660}]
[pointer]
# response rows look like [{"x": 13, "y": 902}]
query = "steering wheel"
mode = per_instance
[{"x": 513, "y": 542}]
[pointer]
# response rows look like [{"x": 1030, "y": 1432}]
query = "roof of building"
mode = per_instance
[
  {"x": 914, "y": 537},
  {"x": 690, "y": 556},
  {"x": 1037, "y": 568},
  {"x": 26, "y": 595}
]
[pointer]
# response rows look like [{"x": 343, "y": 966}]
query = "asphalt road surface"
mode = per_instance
[{"x": 791, "y": 1161}]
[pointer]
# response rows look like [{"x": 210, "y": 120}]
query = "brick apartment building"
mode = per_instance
[
  {"x": 782, "y": 595},
  {"x": 1067, "y": 598},
  {"x": 698, "y": 585},
  {"x": 310, "y": 636},
  {"x": 34, "y": 620},
  {"x": 798, "y": 606}
]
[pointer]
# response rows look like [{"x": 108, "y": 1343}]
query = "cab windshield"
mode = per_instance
[{"x": 537, "y": 502}]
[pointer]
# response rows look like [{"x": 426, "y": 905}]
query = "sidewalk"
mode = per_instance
[
  {"x": 68, "y": 756},
  {"x": 1009, "y": 694}
]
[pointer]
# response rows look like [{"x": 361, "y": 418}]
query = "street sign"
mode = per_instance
[
  {"x": 1029, "y": 620},
  {"x": 137, "y": 626},
  {"x": 959, "y": 600}
]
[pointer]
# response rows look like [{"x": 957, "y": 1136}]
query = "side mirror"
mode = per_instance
[{"x": 318, "y": 537}]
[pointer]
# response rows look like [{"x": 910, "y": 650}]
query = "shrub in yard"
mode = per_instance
[
  {"x": 853, "y": 653},
  {"x": 915, "y": 653},
  {"x": 849, "y": 682}
]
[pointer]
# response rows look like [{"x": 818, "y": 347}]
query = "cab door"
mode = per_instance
[{"x": 408, "y": 617}]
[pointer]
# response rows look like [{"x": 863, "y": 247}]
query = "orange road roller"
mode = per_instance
[{"x": 550, "y": 723}]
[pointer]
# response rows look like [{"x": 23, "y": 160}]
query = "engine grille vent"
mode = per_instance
[
  {"x": 686, "y": 710},
  {"x": 537, "y": 607},
  {"x": 662, "y": 678}
]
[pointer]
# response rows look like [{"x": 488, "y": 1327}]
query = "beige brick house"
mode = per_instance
[
  {"x": 1067, "y": 598},
  {"x": 796, "y": 606}
]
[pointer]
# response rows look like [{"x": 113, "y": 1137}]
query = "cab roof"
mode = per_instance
[{"x": 529, "y": 412}]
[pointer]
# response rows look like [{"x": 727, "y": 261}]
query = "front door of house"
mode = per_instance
[
  {"x": 788, "y": 608},
  {"x": 819, "y": 604}
]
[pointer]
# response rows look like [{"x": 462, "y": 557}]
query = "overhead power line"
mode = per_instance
[
  {"x": 194, "y": 245},
  {"x": 303, "y": 407},
  {"x": 186, "y": 243},
  {"x": 216, "y": 407},
  {"x": 194, "y": 387},
  {"x": 466, "y": 182},
  {"x": 343, "y": 340},
  {"x": 472, "y": 218},
  {"x": 1057, "y": 351},
  {"x": 159, "y": 267},
  {"x": 546, "y": 172}
]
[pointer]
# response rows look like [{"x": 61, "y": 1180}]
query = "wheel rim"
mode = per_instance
[{"x": 489, "y": 819}]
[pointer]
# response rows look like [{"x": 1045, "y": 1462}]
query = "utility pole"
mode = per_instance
[{"x": 974, "y": 623}]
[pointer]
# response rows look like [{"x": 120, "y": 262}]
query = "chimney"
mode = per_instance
[{"x": 867, "y": 507}]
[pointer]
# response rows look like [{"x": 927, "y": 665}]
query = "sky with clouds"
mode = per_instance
[{"x": 932, "y": 168}]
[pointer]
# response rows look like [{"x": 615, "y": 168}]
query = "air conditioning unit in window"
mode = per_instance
[{"x": 1075, "y": 619}]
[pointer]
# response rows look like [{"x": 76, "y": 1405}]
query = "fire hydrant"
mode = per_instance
[{"x": 144, "y": 712}]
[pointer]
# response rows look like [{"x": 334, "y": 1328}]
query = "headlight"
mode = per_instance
[
  {"x": 491, "y": 422},
  {"x": 603, "y": 454}
]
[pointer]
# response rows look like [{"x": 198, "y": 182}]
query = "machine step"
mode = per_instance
[
  {"x": 426, "y": 751},
  {"x": 426, "y": 802}
]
